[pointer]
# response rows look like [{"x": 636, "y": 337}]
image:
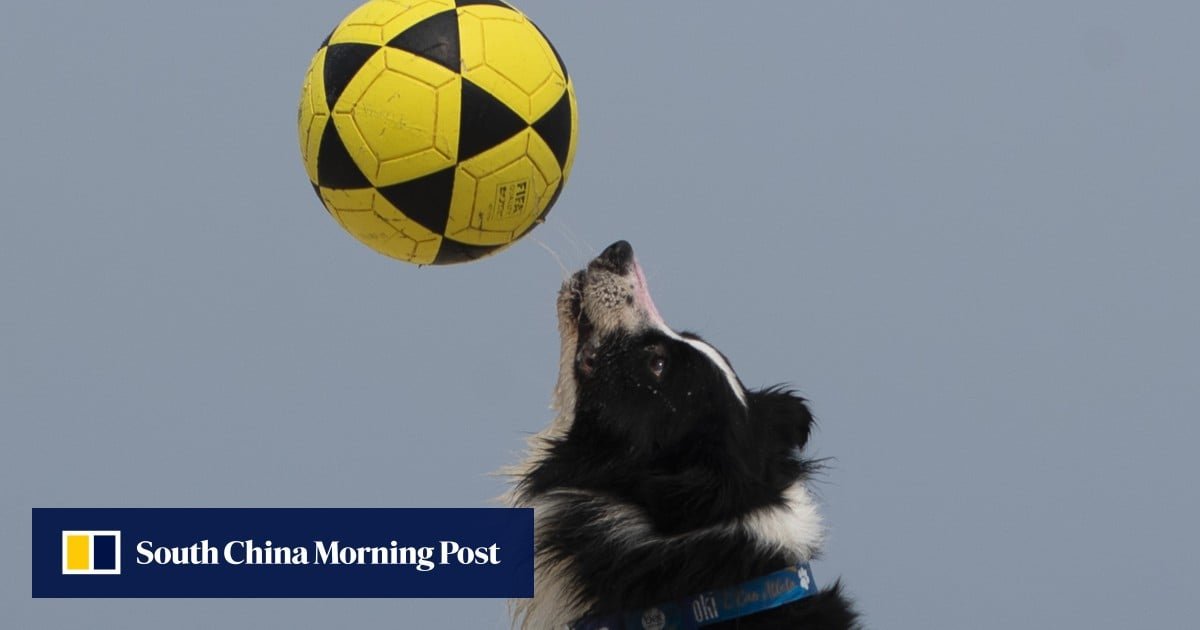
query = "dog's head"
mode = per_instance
[
  {"x": 661, "y": 474},
  {"x": 655, "y": 396}
]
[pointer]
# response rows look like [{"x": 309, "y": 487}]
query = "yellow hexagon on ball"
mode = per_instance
[{"x": 437, "y": 131}]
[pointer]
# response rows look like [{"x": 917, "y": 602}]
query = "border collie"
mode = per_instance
[{"x": 666, "y": 494}]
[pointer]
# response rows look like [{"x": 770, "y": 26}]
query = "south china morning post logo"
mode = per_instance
[
  {"x": 283, "y": 552},
  {"x": 320, "y": 552},
  {"x": 91, "y": 552}
]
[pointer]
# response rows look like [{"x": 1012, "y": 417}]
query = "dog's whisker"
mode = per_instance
[
  {"x": 575, "y": 240},
  {"x": 562, "y": 231},
  {"x": 566, "y": 273}
]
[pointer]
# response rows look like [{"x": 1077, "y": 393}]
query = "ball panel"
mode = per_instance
[
  {"x": 355, "y": 211},
  {"x": 416, "y": 13},
  {"x": 543, "y": 159},
  {"x": 549, "y": 179},
  {"x": 556, "y": 130},
  {"x": 506, "y": 55},
  {"x": 574, "y": 131},
  {"x": 335, "y": 166},
  {"x": 498, "y": 193},
  {"x": 486, "y": 122},
  {"x": 486, "y": 10},
  {"x": 435, "y": 39},
  {"x": 428, "y": 72},
  {"x": 460, "y": 211},
  {"x": 543, "y": 100},
  {"x": 425, "y": 200},
  {"x": 378, "y": 21},
  {"x": 343, "y": 63},
  {"x": 557, "y": 57},
  {"x": 313, "y": 114},
  {"x": 453, "y": 252},
  {"x": 470, "y": 41},
  {"x": 398, "y": 117},
  {"x": 367, "y": 216},
  {"x": 446, "y": 87}
]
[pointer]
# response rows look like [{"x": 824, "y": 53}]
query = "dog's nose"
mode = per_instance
[{"x": 616, "y": 257}]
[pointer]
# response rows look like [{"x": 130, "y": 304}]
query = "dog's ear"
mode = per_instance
[{"x": 783, "y": 412}]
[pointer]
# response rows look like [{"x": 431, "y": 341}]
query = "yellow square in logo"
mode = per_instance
[{"x": 79, "y": 553}]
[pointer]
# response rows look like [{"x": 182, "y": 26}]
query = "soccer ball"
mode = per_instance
[{"x": 437, "y": 131}]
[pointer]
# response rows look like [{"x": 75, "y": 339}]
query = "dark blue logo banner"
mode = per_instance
[{"x": 230, "y": 552}]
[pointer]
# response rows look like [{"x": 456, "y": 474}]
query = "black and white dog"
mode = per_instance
[{"x": 665, "y": 493}]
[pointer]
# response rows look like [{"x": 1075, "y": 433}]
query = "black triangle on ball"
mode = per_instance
[
  {"x": 342, "y": 62},
  {"x": 435, "y": 38},
  {"x": 335, "y": 167},
  {"x": 485, "y": 122},
  {"x": 453, "y": 251},
  {"x": 425, "y": 200},
  {"x": 467, "y": 3},
  {"x": 555, "y": 128}
]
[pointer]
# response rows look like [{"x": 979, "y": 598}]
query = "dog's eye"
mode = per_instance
[
  {"x": 655, "y": 356},
  {"x": 658, "y": 365}
]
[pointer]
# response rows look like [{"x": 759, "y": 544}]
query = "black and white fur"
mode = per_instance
[{"x": 661, "y": 476}]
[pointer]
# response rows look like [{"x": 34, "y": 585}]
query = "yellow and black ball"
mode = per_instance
[{"x": 437, "y": 132}]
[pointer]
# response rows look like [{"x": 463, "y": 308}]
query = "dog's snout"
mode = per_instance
[{"x": 616, "y": 257}]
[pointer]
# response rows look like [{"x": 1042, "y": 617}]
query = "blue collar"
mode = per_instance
[{"x": 756, "y": 595}]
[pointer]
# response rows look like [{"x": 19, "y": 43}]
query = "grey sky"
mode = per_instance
[{"x": 969, "y": 234}]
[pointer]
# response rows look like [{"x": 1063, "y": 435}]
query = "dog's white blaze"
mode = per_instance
[
  {"x": 721, "y": 364},
  {"x": 641, "y": 297},
  {"x": 712, "y": 355}
]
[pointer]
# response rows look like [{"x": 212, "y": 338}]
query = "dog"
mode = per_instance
[{"x": 665, "y": 493}]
